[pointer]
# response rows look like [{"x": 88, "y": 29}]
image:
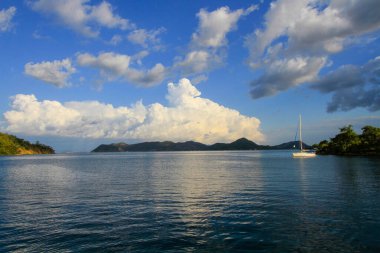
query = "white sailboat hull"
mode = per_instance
[{"x": 303, "y": 154}]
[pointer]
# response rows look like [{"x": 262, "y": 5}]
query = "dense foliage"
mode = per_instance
[
  {"x": 11, "y": 145},
  {"x": 347, "y": 142}
]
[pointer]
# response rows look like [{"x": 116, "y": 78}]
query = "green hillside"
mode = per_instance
[{"x": 11, "y": 145}]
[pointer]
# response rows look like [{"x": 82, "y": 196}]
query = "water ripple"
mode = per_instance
[{"x": 189, "y": 202}]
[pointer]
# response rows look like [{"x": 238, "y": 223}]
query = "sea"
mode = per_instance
[{"x": 232, "y": 201}]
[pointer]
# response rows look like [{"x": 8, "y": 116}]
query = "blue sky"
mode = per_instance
[{"x": 77, "y": 73}]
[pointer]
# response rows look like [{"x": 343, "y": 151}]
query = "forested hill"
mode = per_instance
[
  {"x": 240, "y": 144},
  {"x": 11, "y": 145}
]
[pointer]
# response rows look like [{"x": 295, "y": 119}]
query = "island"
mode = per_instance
[
  {"x": 240, "y": 144},
  {"x": 349, "y": 143},
  {"x": 11, "y": 145}
]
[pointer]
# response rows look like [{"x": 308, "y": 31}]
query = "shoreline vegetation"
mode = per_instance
[
  {"x": 11, "y": 145},
  {"x": 346, "y": 143},
  {"x": 349, "y": 143}
]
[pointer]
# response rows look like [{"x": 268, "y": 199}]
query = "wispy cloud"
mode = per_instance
[
  {"x": 82, "y": 17},
  {"x": 53, "y": 72},
  {"x": 113, "y": 66},
  {"x": 206, "y": 50},
  {"x": 115, "y": 40},
  {"x": 146, "y": 38},
  {"x": 197, "y": 61},
  {"x": 6, "y": 16}
]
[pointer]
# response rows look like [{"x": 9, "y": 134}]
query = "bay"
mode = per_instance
[{"x": 243, "y": 201}]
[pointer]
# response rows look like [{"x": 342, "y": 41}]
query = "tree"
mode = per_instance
[
  {"x": 346, "y": 142},
  {"x": 323, "y": 147},
  {"x": 370, "y": 139}
]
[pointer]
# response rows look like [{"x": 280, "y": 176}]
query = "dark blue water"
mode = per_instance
[{"x": 189, "y": 202}]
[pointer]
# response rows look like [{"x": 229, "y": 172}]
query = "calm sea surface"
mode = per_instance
[{"x": 257, "y": 201}]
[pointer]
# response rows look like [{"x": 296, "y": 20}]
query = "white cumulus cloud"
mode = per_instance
[
  {"x": 54, "y": 72},
  {"x": 206, "y": 50},
  {"x": 188, "y": 117},
  {"x": 197, "y": 61},
  {"x": 82, "y": 17},
  {"x": 115, "y": 64},
  {"x": 214, "y": 26},
  {"x": 6, "y": 16}
]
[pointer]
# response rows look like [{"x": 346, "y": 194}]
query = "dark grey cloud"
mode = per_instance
[
  {"x": 345, "y": 77},
  {"x": 348, "y": 99},
  {"x": 364, "y": 14},
  {"x": 284, "y": 74},
  {"x": 352, "y": 87},
  {"x": 320, "y": 29}
]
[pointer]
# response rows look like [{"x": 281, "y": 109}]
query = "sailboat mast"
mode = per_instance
[{"x": 300, "y": 133}]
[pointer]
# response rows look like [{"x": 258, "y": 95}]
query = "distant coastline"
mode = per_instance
[
  {"x": 345, "y": 143},
  {"x": 240, "y": 144}
]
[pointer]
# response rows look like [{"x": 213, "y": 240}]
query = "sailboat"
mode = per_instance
[{"x": 302, "y": 153}]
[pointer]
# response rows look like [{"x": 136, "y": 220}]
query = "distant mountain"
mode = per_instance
[
  {"x": 240, "y": 144},
  {"x": 11, "y": 145},
  {"x": 167, "y": 146},
  {"x": 291, "y": 145},
  {"x": 152, "y": 146},
  {"x": 113, "y": 147}
]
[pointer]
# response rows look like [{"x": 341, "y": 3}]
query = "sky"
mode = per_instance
[{"x": 78, "y": 73}]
